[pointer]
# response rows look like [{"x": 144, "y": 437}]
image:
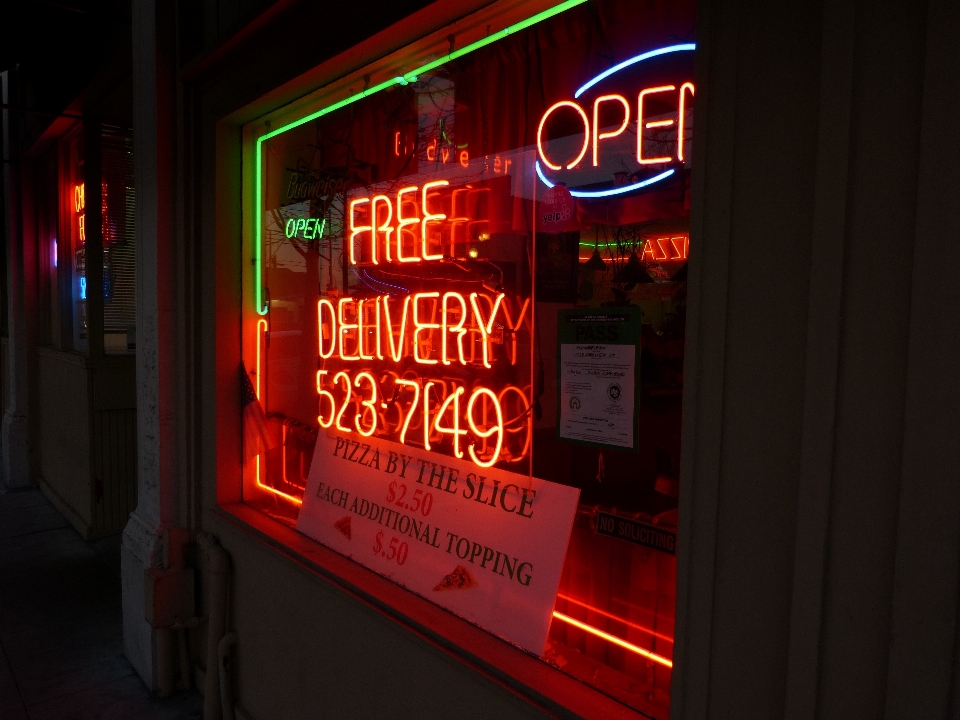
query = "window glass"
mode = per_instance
[
  {"x": 68, "y": 255},
  {"x": 119, "y": 246},
  {"x": 470, "y": 240},
  {"x": 76, "y": 235}
]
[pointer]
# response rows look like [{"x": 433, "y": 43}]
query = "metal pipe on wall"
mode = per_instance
[
  {"x": 226, "y": 687},
  {"x": 218, "y": 576}
]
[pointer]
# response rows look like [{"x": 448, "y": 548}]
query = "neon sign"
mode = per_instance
[
  {"x": 412, "y": 335},
  {"x": 442, "y": 331},
  {"x": 307, "y": 228},
  {"x": 444, "y": 155},
  {"x": 399, "y": 80},
  {"x": 591, "y": 137},
  {"x": 665, "y": 249},
  {"x": 410, "y": 225},
  {"x": 79, "y": 205}
]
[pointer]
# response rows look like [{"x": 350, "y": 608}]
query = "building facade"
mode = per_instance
[
  {"x": 69, "y": 390},
  {"x": 537, "y": 359}
]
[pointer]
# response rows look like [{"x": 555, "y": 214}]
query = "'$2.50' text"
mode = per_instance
[
  {"x": 420, "y": 501},
  {"x": 396, "y": 550}
]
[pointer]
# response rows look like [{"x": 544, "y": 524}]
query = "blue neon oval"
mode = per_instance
[
  {"x": 606, "y": 193},
  {"x": 684, "y": 47}
]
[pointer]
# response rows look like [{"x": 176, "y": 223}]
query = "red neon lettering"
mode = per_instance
[
  {"x": 367, "y": 417},
  {"x": 454, "y": 430},
  {"x": 379, "y": 333},
  {"x": 586, "y": 134},
  {"x": 680, "y": 254},
  {"x": 659, "y": 242},
  {"x": 362, "y": 332},
  {"x": 498, "y": 428},
  {"x": 670, "y": 248},
  {"x": 329, "y": 397},
  {"x": 434, "y": 228},
  {"x": 403, "y": 222},
  {"x": 426, "y": 414},
  {"x": 357, "y": 229},
  {"x": 420, "y": 326},
  {"x": 458, "y": 222},
  {"x": 326, "y": 332},
  {"x": 346, "y": 400},
  {"x": 485, "y": 327},
  {"x": 380, "y": 227},
  {"x": 641, "y": 124},
  {"x": 369, "y": 405},
  {"x": 458, "y": 328},
  {"x": 681, "y": 117},
  {"x": 396, "y": 348},
  {"x": 429, "y": 217},
  {"x": 598, "y": 136},
  {"x": 344, "y": 328},
  {"x": 647, "y": 250},
  {"x": 365, "y": 322},
  {"x": 518, "y": 427},
  {"x": 414, "y": 404},
  {"x": 514, "y": 326}
]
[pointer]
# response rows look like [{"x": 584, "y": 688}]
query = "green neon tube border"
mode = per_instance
[{"x": 400, "y": 80}]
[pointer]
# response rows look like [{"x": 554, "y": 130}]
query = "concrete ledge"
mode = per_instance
[{"x": 137, "y": 550}]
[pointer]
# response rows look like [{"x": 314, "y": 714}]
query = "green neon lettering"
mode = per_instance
[
  {"x": 288, "y": 231},
  {"x": 311, "y": 232}
]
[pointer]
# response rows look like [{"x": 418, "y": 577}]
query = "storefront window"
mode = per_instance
[
  {"x": 117, "y": 201},
  {"x": 114, "y": 239},
  {"x": 486, "y": 260},
  {"x": 75, "y": 200}
]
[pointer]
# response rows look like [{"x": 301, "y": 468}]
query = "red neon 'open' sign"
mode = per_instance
[{"x": 593, "y": 135}]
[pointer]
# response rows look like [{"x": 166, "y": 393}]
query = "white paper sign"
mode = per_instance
[
  {"x": 486, "y": 544},
  {"x": 596, "y": 393}
]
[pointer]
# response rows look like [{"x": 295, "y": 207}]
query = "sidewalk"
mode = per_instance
[{"x": 61, "y": 643}]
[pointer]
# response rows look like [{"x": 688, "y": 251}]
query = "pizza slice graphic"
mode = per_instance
[
  {"x": 343, "y": 525},
  {"x": 459, "y": 579}
]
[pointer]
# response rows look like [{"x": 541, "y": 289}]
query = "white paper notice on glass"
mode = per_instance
[
  {"x": 484, "y": 543},
  {"x": 597, "y": 394}
]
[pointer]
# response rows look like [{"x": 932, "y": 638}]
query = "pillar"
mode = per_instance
[
  {"x": 21, "y": 302},
  {"x": 143, "y": 546}
]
